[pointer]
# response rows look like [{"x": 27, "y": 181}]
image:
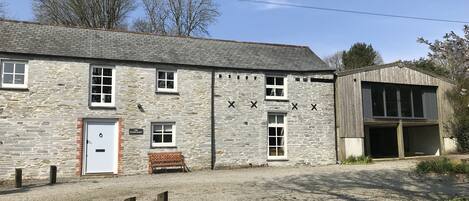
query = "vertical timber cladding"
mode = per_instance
[
  {"x": 349, "y": 96},
  {"x": 241, "y": 129}
]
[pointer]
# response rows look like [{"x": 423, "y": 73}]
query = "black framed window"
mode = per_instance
[
  {"x": 392, "y": 100},
  {"x": 390, "y": 93},
  {"x": 417, "y": 102},
  {"x": 406, "y": 102},
  {"x": 377, "y": 98}
]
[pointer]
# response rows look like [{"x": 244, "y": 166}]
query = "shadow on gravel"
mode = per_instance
[
  {"x": 377, "y": 185},
  {"x": 5, "y": 190}
]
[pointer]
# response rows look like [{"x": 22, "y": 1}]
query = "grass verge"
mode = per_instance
[{"x": 357, "y": 160}]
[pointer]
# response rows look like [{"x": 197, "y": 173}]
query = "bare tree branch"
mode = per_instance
[
  {"x": 452, "y": 52},
  {"x": 335, "y": 60},
  {"x": 3, "y": 7},
  {"x": 107, "y": 14},
  {"x": 177, "y": 17}
]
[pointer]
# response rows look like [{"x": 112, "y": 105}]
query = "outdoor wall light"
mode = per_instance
[{"x": 140, "y": 107}]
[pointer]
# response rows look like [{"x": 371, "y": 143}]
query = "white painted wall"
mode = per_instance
[
  {"x": 450, "y": 145},
  {"x": 354, "y": 147}
]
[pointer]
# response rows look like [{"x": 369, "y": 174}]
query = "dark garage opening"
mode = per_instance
[
  {"x": 421, "y": 141},
  {"x": 383, "y": 142}
]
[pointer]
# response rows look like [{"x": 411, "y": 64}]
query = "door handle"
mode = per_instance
[{"x": 88, "y": 142}]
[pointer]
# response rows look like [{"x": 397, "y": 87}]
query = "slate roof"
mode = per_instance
[{"x": 33, "y": 38}]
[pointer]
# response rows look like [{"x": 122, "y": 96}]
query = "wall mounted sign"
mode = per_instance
[{"x": 135, "y": 131}]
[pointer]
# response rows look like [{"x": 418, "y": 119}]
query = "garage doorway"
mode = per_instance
[{"x": 382, "y": 142}]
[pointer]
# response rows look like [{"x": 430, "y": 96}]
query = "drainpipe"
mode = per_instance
[
  {"x": 212, "y": 121},
  {"x": 335, "y": 120}
]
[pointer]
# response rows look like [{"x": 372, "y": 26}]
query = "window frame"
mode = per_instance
[
  {"x": 398, "y": 88},
  {"x": 275, "y": 86},
  {"x": 113, "y": 87},
  {"x": 163, "y": 144},
  {"x": 158, "y": 89},
  {"x": 25, "y": 74},
  {"x": 285, "y": 136}
]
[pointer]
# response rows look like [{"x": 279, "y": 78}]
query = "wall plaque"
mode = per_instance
[{"x": 135, "y": 131}]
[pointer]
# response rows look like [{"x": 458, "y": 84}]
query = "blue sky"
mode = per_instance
[{"x": 323, "y": 31}]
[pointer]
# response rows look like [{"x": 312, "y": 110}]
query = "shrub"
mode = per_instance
[
  {"x": 351, "y": 160},
  {"x": 442, "y": 166}
]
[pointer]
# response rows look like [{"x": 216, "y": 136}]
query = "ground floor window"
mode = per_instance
[
  {"x": 277, "y": 136},
  {"x": 163, "y": 134}
]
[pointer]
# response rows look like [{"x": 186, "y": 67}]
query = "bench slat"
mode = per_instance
[{"x": 165, "y": 159}]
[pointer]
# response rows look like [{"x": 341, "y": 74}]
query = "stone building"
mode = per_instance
[{"x": 93, "y": 101}]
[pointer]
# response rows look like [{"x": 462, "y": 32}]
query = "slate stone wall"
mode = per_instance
[
  {"x": 241, "y": 132},
  {"x": 39, "y": 126}
]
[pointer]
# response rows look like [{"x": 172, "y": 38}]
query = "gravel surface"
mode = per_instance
[{"x": 388, "y": 180}]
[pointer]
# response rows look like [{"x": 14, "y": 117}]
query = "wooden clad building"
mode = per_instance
[{"x": 392, "y": 110}]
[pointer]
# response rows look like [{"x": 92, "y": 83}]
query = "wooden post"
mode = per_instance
[
  {"x": 400, "y": 139},
  {"x": 162, "y": 196},
  {"x": 131, "y": 199},
  {"x": 53, "y": 175},
  {"x": 18, "y": 177}
]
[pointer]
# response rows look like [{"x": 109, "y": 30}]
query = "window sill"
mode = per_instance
[
  {"x": 397, "y": 118},
  {"x": 277, "y": 159},
  {"x": 14, "y": 89},
  {"x": 164, "y": 147},
  {"x": 167, "y": 92},
  {"x": 103, "y": 107},
  {"x": 277, "y": 99}
]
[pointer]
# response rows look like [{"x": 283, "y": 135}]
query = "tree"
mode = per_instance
[
  {"x": 177, "y": 17},
  {"x": 360, "y": 55},
  {"x": 429, "y": 65},
  {"x": 335, "y": 60},
  {"x": 453, "y": 53},
  {"x": 107, "y": 14},
  {"x": 2, "y": 9}
]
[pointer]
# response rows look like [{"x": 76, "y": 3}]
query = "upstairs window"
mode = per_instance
[
  {"x": 397, "y": 101},
  {"x": 14, "y": 74},
  {"x": 275, "y": 87},
  {"x": 166, "y": 81},
  {"x": 102, "y": 86},
  {"x": 163, "y": 134}
]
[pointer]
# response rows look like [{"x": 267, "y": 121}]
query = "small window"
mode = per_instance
[
  {"x": 163, "y": 134},
  {"x": 102, "y": 86},
  {"x": 276, "y": 87},
  {"x": 14, "y": 74},
  {"x": 166, "y": 81},
  {"x": 277, "y": 146}
]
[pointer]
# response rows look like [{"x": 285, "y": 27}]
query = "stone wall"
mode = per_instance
[
  {"x": 241, "y": 132},
  {"x": 39, "y": 126}
]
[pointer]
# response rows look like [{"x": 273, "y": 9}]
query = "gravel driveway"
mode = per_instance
[{"x": 390, "y": 180}]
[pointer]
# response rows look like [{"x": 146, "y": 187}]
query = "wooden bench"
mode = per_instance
[{"x": 165, "y": 159}]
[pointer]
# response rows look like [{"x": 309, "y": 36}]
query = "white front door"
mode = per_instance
[{"x": 101, "y": 146}]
